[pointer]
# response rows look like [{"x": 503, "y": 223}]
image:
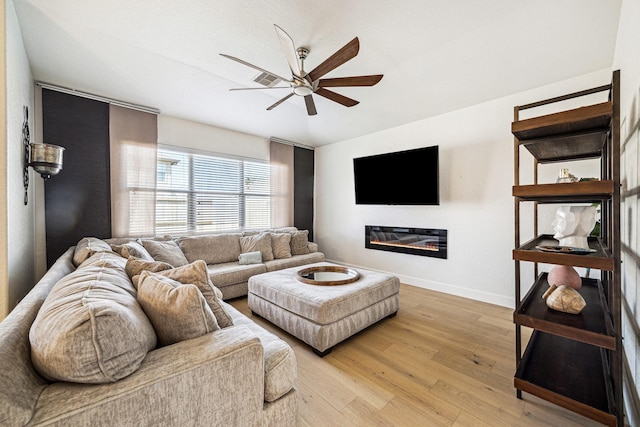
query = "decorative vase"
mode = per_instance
[{"x": 564, "y": 275}]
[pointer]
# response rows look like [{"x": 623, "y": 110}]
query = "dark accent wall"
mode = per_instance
[
  {"x": 78, "y": 199},
  {"x": 303, "y": 172}
]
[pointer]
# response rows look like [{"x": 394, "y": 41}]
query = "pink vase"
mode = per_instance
[{"x": 564, "y": 275}]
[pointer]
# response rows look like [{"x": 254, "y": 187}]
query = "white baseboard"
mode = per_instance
[{"x": 446, "y": 288}]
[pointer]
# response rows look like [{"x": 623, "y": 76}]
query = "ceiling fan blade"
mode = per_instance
[
  {"x": 347, "y": 52},
  {"x": 280, "y": 102},
  {"x": 233, "y": 58},
  {"x": 260, "y": 88},
  {"x": 351, "y": 81},
  {"x": 311, "y": 106},
  {"x": 336, "y": 97},
  {"x": 289, "y": 50}
]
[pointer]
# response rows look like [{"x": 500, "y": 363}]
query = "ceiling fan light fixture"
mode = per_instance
[{"x": 302, "y": 90}]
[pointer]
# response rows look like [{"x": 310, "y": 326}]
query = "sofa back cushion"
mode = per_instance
[
  {"x": 86, "y": 247},
  {"x": 90, "y": 328},
  {"x": 212, "y": 249}
]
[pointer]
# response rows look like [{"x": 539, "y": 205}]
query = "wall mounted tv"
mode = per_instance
[{"x": 401, "y": 178}]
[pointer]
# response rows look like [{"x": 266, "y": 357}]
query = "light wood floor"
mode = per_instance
[{"x": 442, "y": 361}]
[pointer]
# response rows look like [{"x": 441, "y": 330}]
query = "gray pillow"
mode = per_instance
[
  {"x": 260, "y": 242},
  {"x": 135, "y": 266},
  {"x": 88, "y": 246},
  {"x": 250, "y": 258},
  {"x": 132, "y": 249},
  {"x": 281, "y": 245},
  {"x": 178, "y": 312},
  {"x": 300, "y": 242},
  {"x": 165, "y": 251}
]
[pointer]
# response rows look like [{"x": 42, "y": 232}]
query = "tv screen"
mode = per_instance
[{"x": 402, "y": 178}]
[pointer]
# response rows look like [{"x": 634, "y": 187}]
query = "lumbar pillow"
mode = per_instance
[
  {"x": 165, "y": 251},
  {"x": 250, "y": 258},
  {"x": 132, "y": 249},
  {"x": 300, "y": 242},
  {"x": 281, "y": 245},
  {"x": 178, "y": 312},
  {"x": 88, "y": 246},
  {"x": 135, "y": 266},
  {"x": 90, "y": 328},
  {"x": 197, "y": 274},
  {"x": 259, "y": 242}
]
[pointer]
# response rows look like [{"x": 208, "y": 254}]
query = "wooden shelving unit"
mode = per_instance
[{"x": 574, "y": 361}]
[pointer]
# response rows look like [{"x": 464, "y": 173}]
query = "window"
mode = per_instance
[{"x": 204, "y": 193}]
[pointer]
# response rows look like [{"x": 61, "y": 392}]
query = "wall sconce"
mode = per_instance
[{"x": 46, "y": 159}]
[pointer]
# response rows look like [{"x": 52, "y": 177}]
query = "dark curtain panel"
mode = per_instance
[
  {"x": 77, "y": 200},
  {"x": 303, "y": 171}
]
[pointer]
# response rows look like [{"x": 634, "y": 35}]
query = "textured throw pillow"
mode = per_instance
[
  {"x": 177, "y": 312},
  {"x": 132, "y": 249},
  {"x": 165, "y": 251},
  {"x": 197, "y": 274},
  {"x": 90, "y": 328},
  {"x": 281, "y": 245},
  {"x": 135, "y": 266},
  {"x": 88, "y": 246},
  {"x": 250, "y": 258},
  {"x": 300, "y": 242},
  {"x": 259, "y": 242}
]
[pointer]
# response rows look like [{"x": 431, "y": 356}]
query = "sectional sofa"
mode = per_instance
[{"x": 110, "y": 338}]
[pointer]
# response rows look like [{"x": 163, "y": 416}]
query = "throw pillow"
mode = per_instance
[
  {"x": 90, "y": 328},
  {"x": 165, "y": 251},
  {"x": 197, "y": 274},
  {"x": 177, "y": 312},
  {"x": 259, "y": 242},
  {"x": 281, "y": 245},
  {"x": 88, "y": 246},
  {"x": 250, "y": 258},
  {"x": 132, "y": 249},
  {"x": 135, "y": 266},
  {"x": 300, "y": 242}
]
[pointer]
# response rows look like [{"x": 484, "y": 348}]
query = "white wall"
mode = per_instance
[
  {"x": 185, "y": 133},
  {"x": 627, "y": 59},
  {"x": 20, "y": 241},
  {"x": 476, "y": 206}
]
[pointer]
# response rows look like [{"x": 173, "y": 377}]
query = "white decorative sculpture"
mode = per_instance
[{"x": 573, "y": 224}]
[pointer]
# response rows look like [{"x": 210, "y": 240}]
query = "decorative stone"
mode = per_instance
[
  {"x": 564, "y": 275},
  {"x": 565, "y": 299}
]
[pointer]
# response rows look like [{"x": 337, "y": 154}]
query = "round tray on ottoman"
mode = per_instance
[{"x": 328, "y": 275}]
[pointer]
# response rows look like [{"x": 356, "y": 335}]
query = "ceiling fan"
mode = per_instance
[{"x": 305, "y": 84}]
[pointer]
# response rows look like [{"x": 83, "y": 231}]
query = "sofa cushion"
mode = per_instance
[
  {"x": 281, "y": 245},
  {"x": 280, "y": 367},
  {"x": 230, "y": 273},
  {"x": 88, "y": 246},
  {"x": 260, "y": 242},
  {"x": 300, "y": 242},
  {"x": 295, "y": 261},
  {"x": 165, "y": 251},
  {"x": 177, "y": 311},
  {"x": 91, "y": 329},
  {"x": 197, "y": 274},
  {"x": 250, "y": 258},
  {"x": 212, "y": 249},
  {"x": 135, "y": 266},
  {"x": 132, "y": 249}
]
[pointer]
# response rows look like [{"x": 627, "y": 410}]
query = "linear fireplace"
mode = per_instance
[{"x": 416, "y": 241}]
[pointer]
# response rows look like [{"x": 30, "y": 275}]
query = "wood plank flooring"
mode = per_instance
[{"x": 442, "y": 361}]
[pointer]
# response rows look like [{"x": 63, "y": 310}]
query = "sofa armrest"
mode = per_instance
[
  {"x": 216, "y": 379},
  {"x": 313, "y": 247}
]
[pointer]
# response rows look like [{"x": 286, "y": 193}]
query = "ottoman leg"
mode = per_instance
[
  {"x": 322, "y": 353},
  {"x": 392, "y": 315}
]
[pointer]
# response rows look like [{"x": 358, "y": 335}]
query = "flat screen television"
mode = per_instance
[{"x": 401, "y": 178}]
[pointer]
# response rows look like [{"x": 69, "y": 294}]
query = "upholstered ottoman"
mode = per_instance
[{"x": 323, "y": 316}]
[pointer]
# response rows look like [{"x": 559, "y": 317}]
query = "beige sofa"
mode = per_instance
[{"x": 234, "y": 375}]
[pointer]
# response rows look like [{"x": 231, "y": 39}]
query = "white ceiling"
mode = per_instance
[{"x": 436, "y": 56}]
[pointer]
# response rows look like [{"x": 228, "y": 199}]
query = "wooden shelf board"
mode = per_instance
[
  {"x": 586, "y": 191},
  {"x": 600, "y": 259},
  {"x": 581, "y": 119},
  {"x": 591, "y": 326},
  {"x": 568, "y": 373},
  {"x": 567, "y": 147}
]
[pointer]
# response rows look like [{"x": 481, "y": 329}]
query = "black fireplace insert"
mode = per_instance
[{"x": 415, "y": 241}]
